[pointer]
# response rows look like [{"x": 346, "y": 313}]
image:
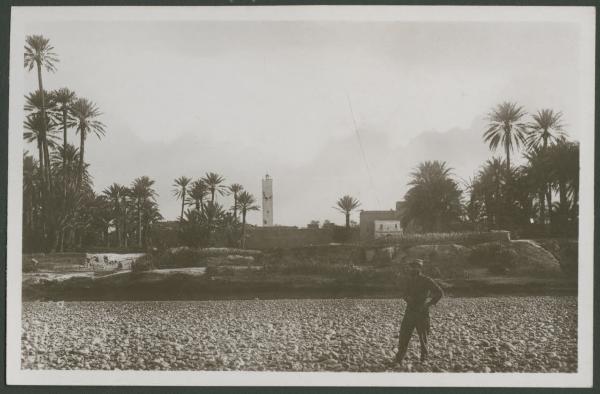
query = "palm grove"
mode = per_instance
[
  {"x": 539, "y": 197},
  {"x": 61, "y": 211}
]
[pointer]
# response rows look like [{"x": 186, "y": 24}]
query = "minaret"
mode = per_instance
[{"x": 267, "y": 201}]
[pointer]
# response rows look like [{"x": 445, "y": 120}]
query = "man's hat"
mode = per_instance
[{"x": 416, "y": 263}]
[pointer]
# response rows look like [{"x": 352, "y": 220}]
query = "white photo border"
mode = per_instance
[{"x": 584, "y": 17}]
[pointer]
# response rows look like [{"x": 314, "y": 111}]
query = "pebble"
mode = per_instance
[{"x": 468, "y": 334}]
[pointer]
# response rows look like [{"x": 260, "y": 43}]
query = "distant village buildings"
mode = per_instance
[
  {"x": 373, "y": 225},
  {"x": 381, "y": 224}
]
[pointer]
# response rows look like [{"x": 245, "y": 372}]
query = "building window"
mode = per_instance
[{"x": 381, "y": 226}]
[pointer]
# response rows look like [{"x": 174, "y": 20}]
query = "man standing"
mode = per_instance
[{"x": 420, "y": 293}]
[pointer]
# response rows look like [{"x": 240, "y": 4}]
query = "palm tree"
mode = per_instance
[
  {"x": 547, "y": 127},
  {"x": 214, "y": 182},
  {"x": 85, "y": 113},
  {"x": 212, "y": 218},
  {"x": 36, "y": 101},
  {"x": 34, "y": 105},
  {"x": 235, "y": 189},
  {"x": 433, "y": 201},
  {"x": 506, "y": 129},
  {"x": 246, "y": 202},
  {"x": 490, "y": 186},
  {"x": 36, "y": 129},
  {"x": 563, "y": 161},
  {"x": 196, "y": 194},
  {"x": 142, "y": 191},
  {"x": 30, "y": 187},
  {"x": 346, "y": 205},
  {"x": 151, "y": 214},
  {"x": 65, "y": 166},
  {"x": 64, "y": 99},
  {"x": 180, "y": 192},
  {"x": 537, "y": 170},
  {"x": 39, "y": 53},
  {"x": 114, "y": 193},
  {"x": 126, "y": 197}
]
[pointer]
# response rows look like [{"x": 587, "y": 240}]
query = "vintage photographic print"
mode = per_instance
[{"x": 315, "y": 196}]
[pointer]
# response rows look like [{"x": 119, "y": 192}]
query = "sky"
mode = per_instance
[{"x": 326, "y": 108}]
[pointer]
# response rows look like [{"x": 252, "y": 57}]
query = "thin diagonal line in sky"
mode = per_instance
[{"x": 362, "y": 150}]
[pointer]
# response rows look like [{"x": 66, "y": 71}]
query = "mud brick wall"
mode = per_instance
[{"x": 289, "y": 237}]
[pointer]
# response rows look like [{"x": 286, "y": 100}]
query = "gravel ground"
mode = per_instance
[{"x": 503, "y": 334}]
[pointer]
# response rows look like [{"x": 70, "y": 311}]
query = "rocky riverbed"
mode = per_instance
[{"x": 493, "y": 334}]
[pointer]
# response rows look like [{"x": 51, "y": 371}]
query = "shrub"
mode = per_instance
[
  {"x": 499, "y": 257},
  {"x": 181, "y": 257},
  {"x": 144, "y": 263},
  {"x": 569, "y": 257},
  {"x": 30, "y": 265}
]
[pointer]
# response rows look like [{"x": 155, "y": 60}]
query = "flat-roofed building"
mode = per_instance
[{"x": 381, "y": 224}]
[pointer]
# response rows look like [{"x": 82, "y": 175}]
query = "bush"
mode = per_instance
[
  {"x": 181, "y": 257},
  {"x": 569, "y": 257},
  {"x": 498, "y": 257},
  {"x": 144, "y": 263},
  {"x": 30, "y": 265}
]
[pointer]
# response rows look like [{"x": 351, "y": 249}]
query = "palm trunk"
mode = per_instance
[
  {"x": 243, "y": 229},
  {"x": 182, "y": 206},
  {"x": 542, "y": 202},
  {"x": 549, "y": 200},
  {"x": 139, "y": 207},
  {"x": 55, "y": 240},
  {"x": 117, "y": 222},
  {"x": 347, "y": 219},
  {"x": 65, "y": 156},
  {"x": 48, "y": 168},
  {"x": 235, "y": 206},
  {"x": 575, "y": 208},
  {"x": 81, "y": 157},
  {"x": 125, "y": 225},
  {"x": 42, "y": 177},
  {"x": 62, "y": 240},
  {"x": 44, "y": 130},
  {"x": 547, "y": 185},
  {"x": 564, "y": 203},
  {"x": 508, "y": 177}
]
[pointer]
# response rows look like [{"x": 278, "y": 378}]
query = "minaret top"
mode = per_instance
[{"x": 267, "y": 176}]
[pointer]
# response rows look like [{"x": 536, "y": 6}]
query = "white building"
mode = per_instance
[
  {"x": 387, "y": 228},
  {"x": 267, "y": 201}
]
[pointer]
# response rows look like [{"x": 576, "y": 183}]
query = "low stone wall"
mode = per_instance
[
  {"x": 73, "y": 262},
  {"x": 460, "y": 238},
  {"x": 55, "y": 261},
  {"x": 288, "y": 237},
  {"x": 323, "y": 254}
]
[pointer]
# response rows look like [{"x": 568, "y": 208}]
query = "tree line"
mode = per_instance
[
  {"x": 542, "y": 194},
  {"x": 61, "y": 211},
  {"x": 206, "y": 222}
]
